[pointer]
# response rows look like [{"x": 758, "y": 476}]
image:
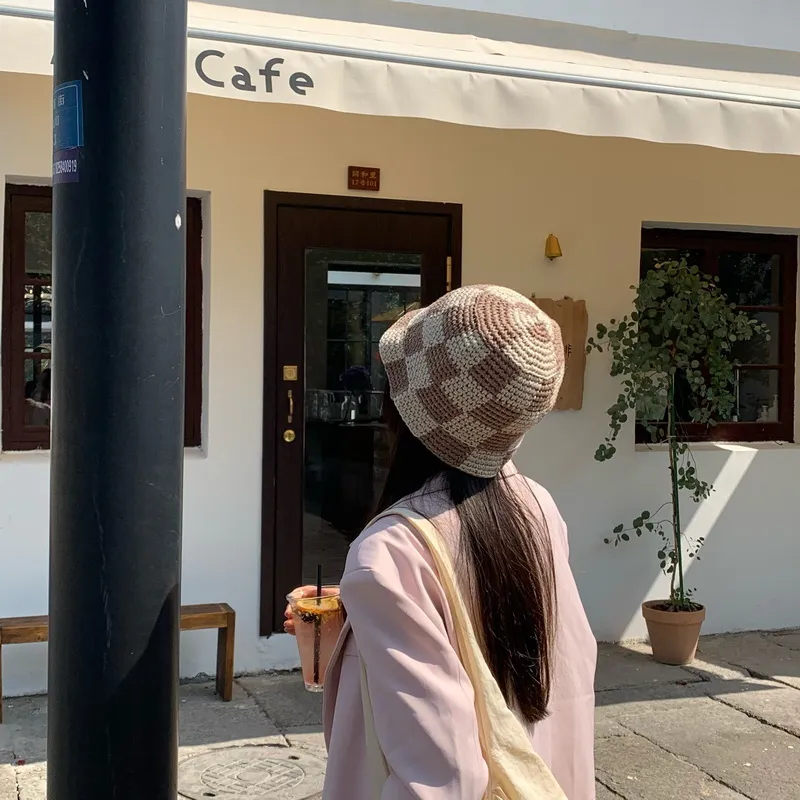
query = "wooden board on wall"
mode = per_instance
[{"x": 573, "y": 319}]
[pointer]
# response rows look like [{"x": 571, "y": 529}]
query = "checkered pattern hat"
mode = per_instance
[{"x": 472, "y": 373}]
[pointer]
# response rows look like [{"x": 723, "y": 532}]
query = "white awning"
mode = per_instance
[{"x": 398, "y": 72}]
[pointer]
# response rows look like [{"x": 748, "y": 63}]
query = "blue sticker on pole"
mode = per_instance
[
  {"x": 66, "y": 164},
  {"x": 68, "y": 116}
]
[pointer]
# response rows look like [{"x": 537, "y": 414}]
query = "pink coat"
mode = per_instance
[{"x": 422, "y": 699}]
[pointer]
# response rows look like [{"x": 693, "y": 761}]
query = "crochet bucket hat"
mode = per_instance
[{"x": 472, "y": 373}]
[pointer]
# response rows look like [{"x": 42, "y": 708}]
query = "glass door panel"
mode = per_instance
[{"x": 351, "y": 299}]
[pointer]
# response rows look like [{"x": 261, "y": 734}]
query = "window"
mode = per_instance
[
  {"x": 758, "y": 274},
  {"x": 352, "y": 297},
  {"x": 27, "y": 319}
]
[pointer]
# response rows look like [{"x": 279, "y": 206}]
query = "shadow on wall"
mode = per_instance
[
  {"x": 746, "y": 574},
  {"x": 539, "y": 33}
]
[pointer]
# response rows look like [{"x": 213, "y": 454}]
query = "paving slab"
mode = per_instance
[
  {"x": 758, "y": 653},
  {"x": 6, "y": 744},
  {"x": 711, "y": 669},
  {"x": 605, "y": 727},
  {"x": 624, "y": 702},
  {"x": 8, "y": 782},
  {"x": 619, "y": 667},
  {"x": 312, "y": 739},
  {"x": 284, "y": 699},
  {"x": 604, "y": 794},
  {"x": 790, "y": 639},
  {"x": 24, "y": 732},
  {"x": 760, "y": 762},
  {"x": 32, "y": 782},
  {"x": 31, "y": 712},
  {"x": 206, "y": 721},
  {"x": 703, "y": 667},
  {"x": 770, "y": 703},
  {"x": 636, "y": 769}
]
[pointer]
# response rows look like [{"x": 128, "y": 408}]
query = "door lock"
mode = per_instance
[{"x": 289, "y": 435}]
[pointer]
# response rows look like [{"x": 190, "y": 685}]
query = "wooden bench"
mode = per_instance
[{"x": 219, "y": 616}]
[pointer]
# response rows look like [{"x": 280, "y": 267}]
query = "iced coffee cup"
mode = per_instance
[{"x": 317, "y": 623}]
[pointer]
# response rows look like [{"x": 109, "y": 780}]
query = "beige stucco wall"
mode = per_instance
[{"x": 515, "y": 189}]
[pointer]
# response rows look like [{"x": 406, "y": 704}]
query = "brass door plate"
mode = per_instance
[
  {"x": 290, "y": 373},
  {"x": 289, "y": 436}
]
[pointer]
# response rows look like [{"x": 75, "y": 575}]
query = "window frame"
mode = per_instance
[
  {"x": 713, "y": 243},
  {"x": 16, "y": 436}
]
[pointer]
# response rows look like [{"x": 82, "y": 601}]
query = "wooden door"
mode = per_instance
[{"x": 339, "y": 272}]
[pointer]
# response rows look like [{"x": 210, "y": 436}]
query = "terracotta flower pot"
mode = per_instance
[{"x": 673, "y": 634}]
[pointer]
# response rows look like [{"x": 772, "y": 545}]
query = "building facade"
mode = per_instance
[{"x": 470, "y": 149}]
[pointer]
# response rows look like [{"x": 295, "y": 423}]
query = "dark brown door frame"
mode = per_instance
[{"x": 270, "y": 616}]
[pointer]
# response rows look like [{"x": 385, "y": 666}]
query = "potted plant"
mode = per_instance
[{"x": 675, "y": 355}]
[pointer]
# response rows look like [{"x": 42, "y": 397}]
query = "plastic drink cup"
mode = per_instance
[{"x": 318, "y": 622}]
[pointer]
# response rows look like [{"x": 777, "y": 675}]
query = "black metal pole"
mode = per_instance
[{"x": 117, "y": 421}]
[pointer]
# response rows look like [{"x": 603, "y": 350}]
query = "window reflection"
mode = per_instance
[{"x": 351, "y": 300}]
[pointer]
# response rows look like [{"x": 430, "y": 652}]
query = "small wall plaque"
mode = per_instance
[
  {"x": 573, "y": 319},
  {"x": 363, "y": 179}
]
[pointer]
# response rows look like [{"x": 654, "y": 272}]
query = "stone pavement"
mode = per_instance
[{"x": 727, "y": 728}]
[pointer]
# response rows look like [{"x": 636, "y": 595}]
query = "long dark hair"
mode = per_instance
[{"x": 505, "y": 558}]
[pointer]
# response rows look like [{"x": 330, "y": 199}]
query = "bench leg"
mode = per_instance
[
  {"x": 225, "y": 643},
  {"x": 1, "y": 684}
]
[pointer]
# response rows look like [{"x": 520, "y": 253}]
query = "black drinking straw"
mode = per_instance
[{"x": 317, "y": 628}]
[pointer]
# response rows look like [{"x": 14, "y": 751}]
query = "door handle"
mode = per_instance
[{"x": 290, "y": 396}]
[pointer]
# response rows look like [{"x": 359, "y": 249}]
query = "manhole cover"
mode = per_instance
[{"x": 251, "y": 773}]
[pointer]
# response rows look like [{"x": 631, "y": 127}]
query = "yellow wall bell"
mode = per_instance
[{"x": 552, "y": 248}]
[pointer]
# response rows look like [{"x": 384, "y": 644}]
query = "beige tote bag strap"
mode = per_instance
[{"x": 377, "y": 769}]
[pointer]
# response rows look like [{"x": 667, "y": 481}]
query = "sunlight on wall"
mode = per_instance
[{"x": 707, "y": 514}]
